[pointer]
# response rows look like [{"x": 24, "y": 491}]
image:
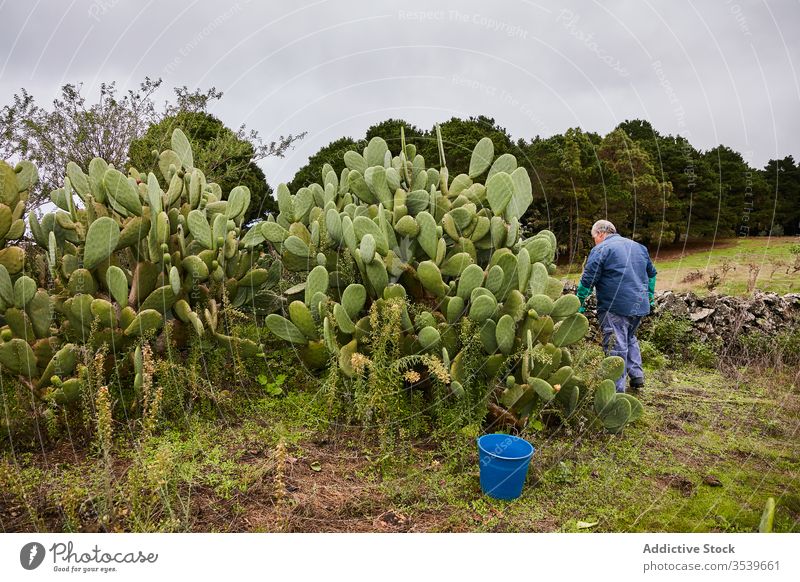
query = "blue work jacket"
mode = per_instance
[{"x": 619, "y": 269}]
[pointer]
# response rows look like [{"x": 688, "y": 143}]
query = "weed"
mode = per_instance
[
  {"x": 272, "y": 387},
  {"x": 279, "y": 484},
  {"x": 23, "y": 484},
  {"x": 692, "y": 276},
  {"x": 712, "y": 281},
  {"x": 768, "y": 351},
  {"x": 753, "y": 270},
  {"x": 795, "y": 265}
]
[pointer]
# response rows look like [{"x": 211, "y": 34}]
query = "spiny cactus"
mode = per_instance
[
  {"x": 15, "y": 184},
  {"x": 614, "y": 409},
  {"x": 125, "y": 256},
  {"x": 135, "y": 254},
  {"x": 388, "y": 227},
  {"x": 27, "y": 348}
]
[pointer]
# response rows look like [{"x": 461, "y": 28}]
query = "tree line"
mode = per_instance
[
  {"x": 657, "y": 188},
  {"x": 129, "y": 129}
]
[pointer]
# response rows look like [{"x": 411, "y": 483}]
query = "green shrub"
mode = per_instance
[
  {"x": 670, "y": 334},
  {"x": 651, "y": 356},
  {"x": 780, "y": 349},
  {"x": 704, "y": 354}
]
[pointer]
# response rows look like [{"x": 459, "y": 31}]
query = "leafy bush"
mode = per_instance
[
  {"x": 651, "y": 356},
  {"x": 670, "y": 334},
  {"x": 703, "y": 354}
]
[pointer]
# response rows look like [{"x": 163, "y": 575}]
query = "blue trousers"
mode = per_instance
[{"x": 619, "y": 339}]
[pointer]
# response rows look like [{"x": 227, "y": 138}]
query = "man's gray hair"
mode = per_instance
[{"x": 603, "y": 226}]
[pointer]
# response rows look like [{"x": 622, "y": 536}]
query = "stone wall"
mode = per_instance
[{"x": 726, "y": 317}]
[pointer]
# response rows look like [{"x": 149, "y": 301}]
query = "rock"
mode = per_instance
[
  {"x": 747, "y": 316},
  {"x": 721, "y": 319},
  {"x": 669, "y": 301},
  {"x": 700, "y": 314},
  {"x": 771, "y": 298}
]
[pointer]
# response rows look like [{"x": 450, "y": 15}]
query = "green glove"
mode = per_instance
[
  {"x": 651, "y": 290},
  {"x": 582, "y": 293}
]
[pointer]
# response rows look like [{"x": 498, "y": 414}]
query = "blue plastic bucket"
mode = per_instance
[{"x": 504, "y": 461}]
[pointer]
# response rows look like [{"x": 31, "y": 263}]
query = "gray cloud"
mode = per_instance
[{"x": 716, "y": 73}]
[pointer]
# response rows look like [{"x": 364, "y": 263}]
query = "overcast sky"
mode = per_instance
[{"x": 713, "y": 71}]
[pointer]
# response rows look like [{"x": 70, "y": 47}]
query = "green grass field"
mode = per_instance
[
  {"x": 705, "y": 457},
  {"x": 712, "y": 447},
  {"x": 766, "y": 263}
]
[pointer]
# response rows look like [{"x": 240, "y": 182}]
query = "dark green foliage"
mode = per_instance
[
  {"x": 656, "y": 188},
  {"x": 669, "y": 334},
  {"x": 389, "y": 130},
  {"x": 459, "y": 137},
  {"x": 704, "y": 354},
  {"x": 651, "y": 357},
  {"x": 226, "y": 157},
  {"x": 779, "y": 203}
]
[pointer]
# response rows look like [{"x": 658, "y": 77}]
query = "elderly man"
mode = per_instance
[{"x": 625, "y": 278}]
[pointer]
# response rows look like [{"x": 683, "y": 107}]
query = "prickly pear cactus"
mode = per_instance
[
  {"x": 125, "y": 255},
  {"x": 453, "y": 251},
  {"x": 613, "y": 409},
  {"x": 14, "y": 186},
  {"x": 28, "y": 347},
  {"x": 128, "y": 254}
]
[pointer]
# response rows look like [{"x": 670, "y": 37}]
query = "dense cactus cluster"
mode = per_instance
[
  {"x": 24, "y": 308},
  {"x": 474, "y": 301},
  {"x": 453, "y": 248},
  {"x": 124, "y": 257},
  {"x": 15, "y": 183}
]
